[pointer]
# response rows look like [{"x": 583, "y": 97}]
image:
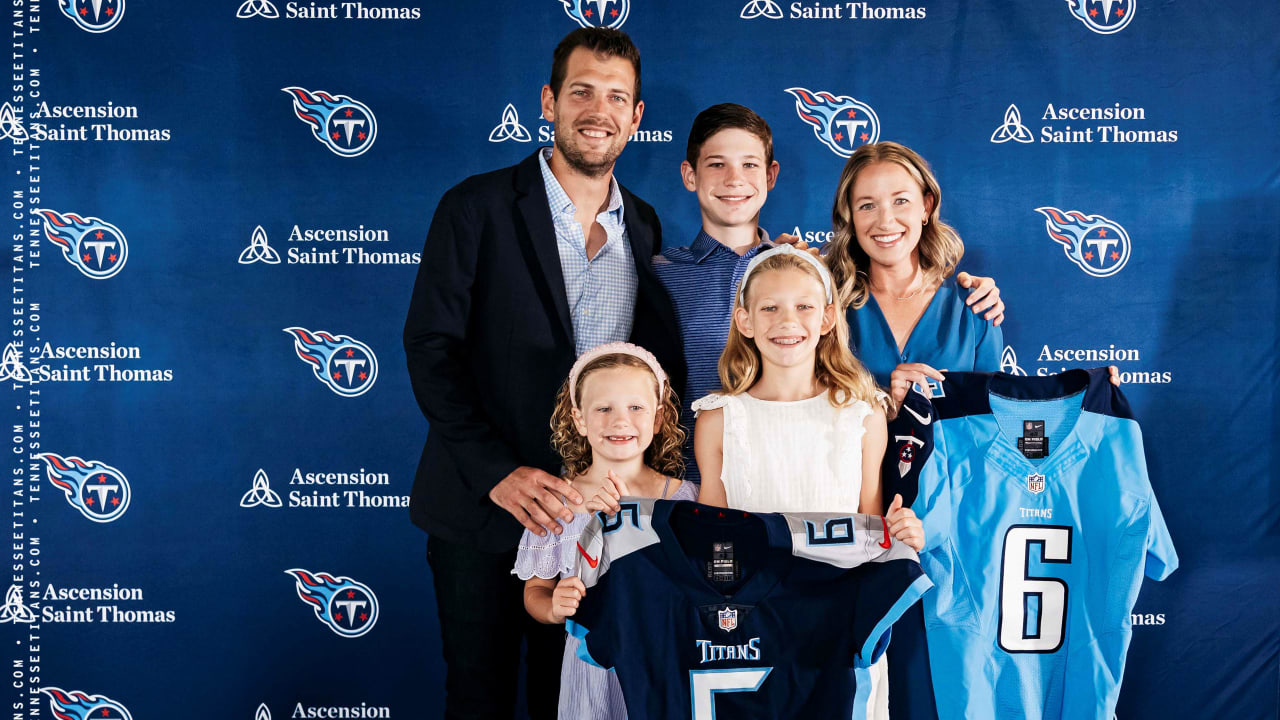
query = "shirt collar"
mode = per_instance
[
  {"x": 557, "y": 196},
  {"x": 704, "y": 245}
]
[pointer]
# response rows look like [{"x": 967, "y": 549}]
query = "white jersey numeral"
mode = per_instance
[
  {"x": 1018, "y": 589},
  {"x": 704, "y": 684}
]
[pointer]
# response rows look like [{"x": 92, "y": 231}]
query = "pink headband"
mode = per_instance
[{"x": 616, "y": 348}]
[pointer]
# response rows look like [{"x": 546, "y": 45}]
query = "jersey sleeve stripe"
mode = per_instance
[
  {"x": 580, "y": 632},
  {"x": 878, "y": 639}
]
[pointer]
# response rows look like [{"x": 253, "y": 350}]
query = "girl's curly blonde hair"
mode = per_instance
[{"x": 663, "y": 453}]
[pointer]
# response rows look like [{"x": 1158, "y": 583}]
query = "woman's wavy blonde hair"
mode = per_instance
[
  {"x": 663, "y": 453},
  {"x": 834, "y": 365},
  {"x": 940, "y": 248}
]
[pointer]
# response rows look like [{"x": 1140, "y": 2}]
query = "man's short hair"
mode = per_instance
[
  {"x": 723, "y": 116},
  {"x": 601, "y": 41}
]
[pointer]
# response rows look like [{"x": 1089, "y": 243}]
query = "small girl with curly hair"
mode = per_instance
[{"x": 617, "y": 428}]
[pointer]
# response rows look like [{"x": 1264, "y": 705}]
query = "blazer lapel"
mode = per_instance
[{"x": 532, "y": 204}]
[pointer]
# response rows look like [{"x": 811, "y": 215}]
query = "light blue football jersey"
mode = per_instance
[{"x": 1040, "y": 523}]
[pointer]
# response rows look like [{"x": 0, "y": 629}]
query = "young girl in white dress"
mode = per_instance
[
  {"x": 799, "y": 424},
  {"x": 617, "y": 428}
]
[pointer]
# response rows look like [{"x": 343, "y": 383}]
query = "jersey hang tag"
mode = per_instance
[
  {"x": 723, "y": 567},
  {"x": 1033, "y": 444}
]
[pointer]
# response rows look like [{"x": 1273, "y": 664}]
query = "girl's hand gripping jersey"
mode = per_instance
[
  {"x": 1040, "y": 523},
  {"x": 702, "y": 609}
]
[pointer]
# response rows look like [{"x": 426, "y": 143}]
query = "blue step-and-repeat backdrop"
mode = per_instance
[{"x": 216, "y": 210}]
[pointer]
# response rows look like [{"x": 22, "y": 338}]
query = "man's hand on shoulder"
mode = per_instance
[
  {"x": 985, "y": 296},
  {"x": 533, "y": 499}
]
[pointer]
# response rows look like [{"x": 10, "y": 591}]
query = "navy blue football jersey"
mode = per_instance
[{"x": 703, "y": 610}]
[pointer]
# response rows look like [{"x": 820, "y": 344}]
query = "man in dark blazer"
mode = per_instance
[{"x": 491, "y": 334}]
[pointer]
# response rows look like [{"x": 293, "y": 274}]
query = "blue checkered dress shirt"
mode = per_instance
[
  {"x": 602, "y": 289},
  {"x": 701, "y": 279}
]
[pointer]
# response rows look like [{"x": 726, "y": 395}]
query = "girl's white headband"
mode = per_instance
[
  {"x": 617, "y": 348},
  {"x": 786, "y": 250}
]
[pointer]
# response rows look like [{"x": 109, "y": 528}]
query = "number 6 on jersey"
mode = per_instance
[{"x": 1018, "y": 587}]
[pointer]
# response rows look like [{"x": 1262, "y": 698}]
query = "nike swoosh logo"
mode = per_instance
[
  {"x": 886, "y": 543},
  {"x": 928, "y": 418},
  {"x": 593, "y": 562}
]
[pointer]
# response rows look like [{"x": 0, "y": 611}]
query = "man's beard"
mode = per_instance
[{"x": 579, "y": 162}]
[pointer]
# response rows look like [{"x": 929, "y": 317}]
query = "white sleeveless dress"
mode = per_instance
[{"x": 798, "y": 456}]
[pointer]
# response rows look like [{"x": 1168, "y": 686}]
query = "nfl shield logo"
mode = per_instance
[
  {"x": 1035, "y": 483},
  {"x": 729, "y": 619}
]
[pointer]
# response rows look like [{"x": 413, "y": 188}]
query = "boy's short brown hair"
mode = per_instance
[{"x": 723, "y": 116}]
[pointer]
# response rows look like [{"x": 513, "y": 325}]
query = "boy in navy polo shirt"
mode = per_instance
[{"x": 729, "y": 165}]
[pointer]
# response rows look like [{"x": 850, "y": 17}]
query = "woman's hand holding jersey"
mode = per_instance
[{"x": 908, "y": 374}]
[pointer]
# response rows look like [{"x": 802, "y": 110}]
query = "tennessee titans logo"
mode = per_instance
[
  {"x": 839, "y": 121},
  {"x": 907, "y": 452},
  {"x": 597, "y": 13},
  {"x": 95, "y": 247},
  {"x": 1099, "y": 246},
  {"x": 99, "y": 491},
  {"x": 1103, "y": 16},
  {"x": 345, "y": 364},
  {"x": 349, "y": 608},
  {"x": 345, "y": 126},
  {"x": 95, "y": 16},
  {"x": 76, "y": 705}
]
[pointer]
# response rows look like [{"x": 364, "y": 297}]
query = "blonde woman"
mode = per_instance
[{"x": 892, "y": 260}]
